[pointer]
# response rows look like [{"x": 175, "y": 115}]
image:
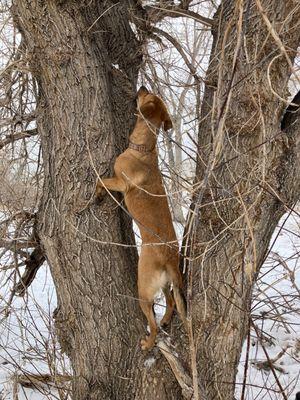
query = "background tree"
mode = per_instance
[
  {"x": 247, "y": 167},
  {"x": 85, "y": 59}
]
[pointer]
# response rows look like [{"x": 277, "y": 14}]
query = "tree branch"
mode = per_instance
[
  {"x": 156, "y": 14},
  {"x": 181, "y": 375},
  {"x": 17, "y": 119},
  {"x": 16, "y": 244},
  {"x": 177, "y": 46},
  {"x": 146, "y": 17},
  {"x": 33, "y": 263},
  {"x": 17, "y": 136}
]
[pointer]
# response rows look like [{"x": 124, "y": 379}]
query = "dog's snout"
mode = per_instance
[
  {"x": 143, "y": 88},
  {"x": 142, "y": 91}
]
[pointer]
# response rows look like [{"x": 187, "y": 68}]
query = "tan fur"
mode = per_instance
[{"x": 137, "y": 175}]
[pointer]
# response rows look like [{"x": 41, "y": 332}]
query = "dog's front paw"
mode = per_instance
[
  {"x": 100, "y": 192},
  {"x": 147, "y": 344}
]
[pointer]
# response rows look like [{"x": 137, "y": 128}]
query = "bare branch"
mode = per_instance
[
  {"x": 33, "y": 263},
  {"x": 16, "y": 244},
  {"x": 17, "y": 119},
  {"x": 174, "y": 42},
  {"x": 181, "y": 375},
  {"x": 156, "y": 14},
  {"x": 270, "y": 363},
  {"x": 30, "y": 380},
  {"x": 17, "y": 136}
]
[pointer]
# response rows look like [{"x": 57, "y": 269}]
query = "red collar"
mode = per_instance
[{"x": 139, "y": 147}]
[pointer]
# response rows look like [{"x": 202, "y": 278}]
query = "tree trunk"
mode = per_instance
[
  {"x": 246, "y": 164},
  {"x": 85, "y": 58}
]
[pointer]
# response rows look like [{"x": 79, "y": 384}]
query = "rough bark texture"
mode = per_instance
[
  {"x": 85, "y": 57},
  {"x": 253, "y": 179}
]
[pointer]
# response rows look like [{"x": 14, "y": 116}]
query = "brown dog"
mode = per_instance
[{"x": 137, "y": 176}]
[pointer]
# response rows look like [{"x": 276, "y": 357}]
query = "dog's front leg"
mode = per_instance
[{"x": 114, "y": 184}]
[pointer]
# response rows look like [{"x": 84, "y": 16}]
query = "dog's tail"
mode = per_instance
[{"x": 181, "y": 306}]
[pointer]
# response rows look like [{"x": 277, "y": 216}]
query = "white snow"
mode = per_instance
[
  {"x": 28, "y": 341},
  {"x": 276, "y": 312}
]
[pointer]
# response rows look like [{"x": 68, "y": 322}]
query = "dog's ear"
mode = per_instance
[
  {"x": 167, "y": 124},
  {"x": 166, "y": 120},
  {"x": 147, "y": 109},
  {"x": 165, "y": 117}
]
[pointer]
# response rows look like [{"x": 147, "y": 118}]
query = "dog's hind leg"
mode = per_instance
[
  {"x": 151, "y": 278},
  {"x": 147, "y": 308},
  {"x": 176, "y": 278},
  {"x": 170, "y": 304}
]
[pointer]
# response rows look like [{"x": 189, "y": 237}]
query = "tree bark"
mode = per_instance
[
  {"x": 86, "y": 58},
  {"x": 246, "y": 165}
]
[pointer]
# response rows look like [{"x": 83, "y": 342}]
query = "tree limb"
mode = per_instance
[
  {"x": 30, "y": 380},
  {"x": 177, "y": 46},
  {"x": 183, "y": 378},
  {"x": 33, "y": 263},
  {"x": 181, "y": 375},
  {"x": 17, "y": 136},
  {"x": 269, "y": 362},
  {"x": 17, "y": 119},
  {"x": 16, "y": 244},
  {"x": 156, "y": 14},
  {"x": 146, "y": 17}
]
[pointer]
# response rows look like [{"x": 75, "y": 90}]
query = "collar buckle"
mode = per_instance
[{"x": 139, "y": 147}]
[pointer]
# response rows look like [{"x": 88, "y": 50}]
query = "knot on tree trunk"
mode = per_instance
[{"x": 63, "y": 324}]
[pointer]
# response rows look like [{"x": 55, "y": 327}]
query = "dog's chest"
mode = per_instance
[
  {"x": 138, "y": 173},
  {"x": 159, "y": 281}
]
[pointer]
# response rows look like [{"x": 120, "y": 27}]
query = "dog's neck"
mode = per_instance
[{"x": 145, "y": 133}]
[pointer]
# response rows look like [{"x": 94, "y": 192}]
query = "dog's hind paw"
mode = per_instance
[
  {"x": 165, "y": 321},
  {"x": 147, "y": 344}
]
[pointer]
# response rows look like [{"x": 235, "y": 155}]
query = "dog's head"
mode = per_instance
[{"x": 152, "y": 107}]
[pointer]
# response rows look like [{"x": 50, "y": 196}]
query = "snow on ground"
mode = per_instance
[
  {"x": 28, "y": 343},
  {"x": 275, "y": 312}
]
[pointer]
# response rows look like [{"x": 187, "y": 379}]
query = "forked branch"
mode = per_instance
[{"x": 181, "y": 375}]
